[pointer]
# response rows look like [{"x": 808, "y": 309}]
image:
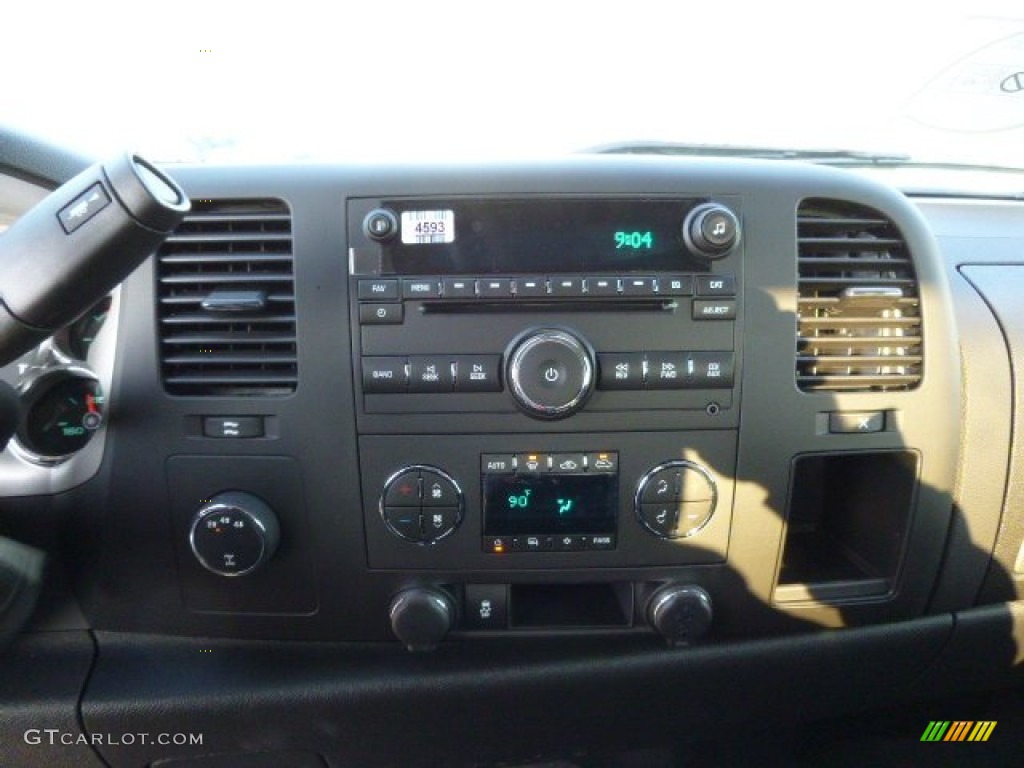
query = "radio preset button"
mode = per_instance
[
  {"x": 638, "y": 286},
  {"x": 621, "y": 370},
  {"x": 716, "y": 285},
  {"x": 710, "y": 309},
  {"x": 567, "y": 286},
  {"x": 383, "y": 375},
  {"x": 675, "y": 285},
  {"x": 667, "y": 370},
  {"x": 430, "y": 373},
  {"x": 378, "y": 290},
  {"x": 531, "y": 286},
  {"x": 459, "y": 288},
  {"x": 567, "y": 463},
  {"x": 494, "y": 288},
  {"x": 380, "y": 314},
  {"x": 421, "y": 288},
  {"x": 603, "y": 286},
  {"x": 477, "y": 373}
]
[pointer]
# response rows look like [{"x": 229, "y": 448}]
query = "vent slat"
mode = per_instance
[
  {"x": 855, "y": 340},
  {"x": 229, "y": 237},
  {"x": 244, "y": 244}
]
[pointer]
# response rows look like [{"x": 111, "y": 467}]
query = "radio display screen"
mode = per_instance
[
  {"x": 549, "y": 504},
  {"x": 482, "y": 237}
]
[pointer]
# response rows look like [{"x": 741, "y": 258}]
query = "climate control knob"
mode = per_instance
[
  {"x": 550, "y": 373},
  {"x": 234, "y": 534},
  {"x": 711, "y": 230},
  {"x": 681, "y": 613}
]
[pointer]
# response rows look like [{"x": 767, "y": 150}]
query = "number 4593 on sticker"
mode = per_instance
[{"x": 426, "y": 227}]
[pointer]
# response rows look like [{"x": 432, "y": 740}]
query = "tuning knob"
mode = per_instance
[
  {"x": 234, "y": 534},
  {"x": 421, "y": 617},
  {"x": 550, "y": 373},
  {"x": 711, "y": 230},
  {"x": 680, "y": 613}
]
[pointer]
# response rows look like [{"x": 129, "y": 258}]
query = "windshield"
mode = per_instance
[{"x": 228, "y": 81}]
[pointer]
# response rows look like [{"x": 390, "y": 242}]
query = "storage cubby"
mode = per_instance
[{"x": 846, "y": 525}]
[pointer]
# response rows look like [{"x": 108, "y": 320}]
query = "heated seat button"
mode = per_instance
[
  {"x": 477, "y": 373},
  {"x": 662, "y": 487},
  {"x": 383, "y": 375},
  {"x": 621, "y": 370},
  {"x": 693, "y": 515},
  {"x": 486, "y": 607},
  {"x": 694, "y": 485},
  {"x": 430, "y": 373},
  {"x": 661, "y": 519}
]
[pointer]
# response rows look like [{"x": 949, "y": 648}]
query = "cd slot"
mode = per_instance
[{"x": 526, "y": 307}]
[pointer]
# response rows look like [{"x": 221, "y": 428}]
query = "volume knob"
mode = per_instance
[{"x": 550, "y": 373}]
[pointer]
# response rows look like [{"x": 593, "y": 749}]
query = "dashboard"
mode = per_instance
[{"x": 572, "y": 432}]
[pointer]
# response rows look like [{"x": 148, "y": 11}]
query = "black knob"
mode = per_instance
[
  {"x": 550, "y": 373},
  {"x": 421, "y": 617},
  {"x": 380, "y": 224},
  {"x": 234, "y": 533},
  {"x": 711, "y": 230},
  {"x": 680, "y": 613}
]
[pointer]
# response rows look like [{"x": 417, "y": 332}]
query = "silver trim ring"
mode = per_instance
[
  {"x": 567, "y": 340},
  {"x": 649, "y": 475},
  {"x": 422, "y": 468},
  {"x": 216, "y": 507}
]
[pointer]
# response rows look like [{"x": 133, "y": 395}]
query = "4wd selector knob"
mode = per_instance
[
  {"x": 550, "y": 373},
  {"x": 234, "y": 533}
]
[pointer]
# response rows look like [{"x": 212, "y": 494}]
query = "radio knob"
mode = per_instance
[
  {"x": 421, "y": 617},
  {"x": 234, "y": 534},
  {"x": 711, "y": 230},
  {"x": 680, "y": 613},
  {"x": 550, "y": 373}
]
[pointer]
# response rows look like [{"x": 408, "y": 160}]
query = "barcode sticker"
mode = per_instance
[{"x": 424, "y": 227}]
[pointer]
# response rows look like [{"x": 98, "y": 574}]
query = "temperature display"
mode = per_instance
[{"x": 549, "y": 504}]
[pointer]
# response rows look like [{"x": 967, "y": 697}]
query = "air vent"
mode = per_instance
[
  {"x": 227, "y": 301},
  {"x": 859, "y": 312}
]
